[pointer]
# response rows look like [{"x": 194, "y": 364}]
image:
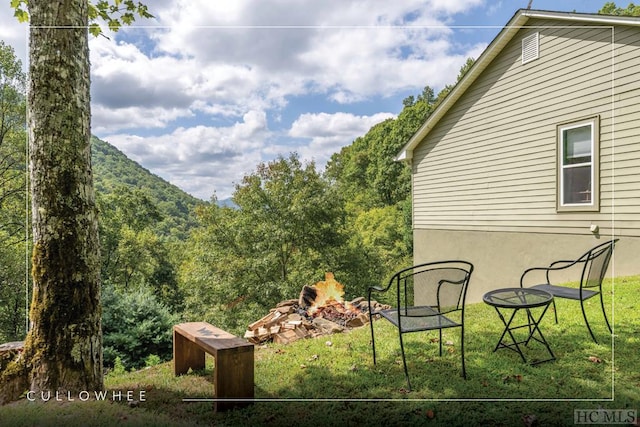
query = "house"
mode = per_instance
[{"x": 534, "y": 155}]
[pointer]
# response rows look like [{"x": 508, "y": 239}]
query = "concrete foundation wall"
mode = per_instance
[{"x": 499, "y": 258}]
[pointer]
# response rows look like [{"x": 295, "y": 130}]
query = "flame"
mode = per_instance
[{"x": 329, "y": 293}]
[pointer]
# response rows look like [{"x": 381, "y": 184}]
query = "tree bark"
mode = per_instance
[{"x": 63, "y": 350}]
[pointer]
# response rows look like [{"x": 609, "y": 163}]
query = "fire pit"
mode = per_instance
[{"x": 320, "y": 310}]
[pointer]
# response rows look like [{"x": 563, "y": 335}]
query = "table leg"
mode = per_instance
[
  {"x": 508, "y": 329},
  {"x": 533, "y": 326}
]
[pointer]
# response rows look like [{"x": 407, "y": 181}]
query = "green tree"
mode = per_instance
[
  {"x": 382, "y": 232},
  {"x": 287, "y": 211},
  {"x": 124, "y": 213},
  {"x": 135, "y": 326},
  {"x": 12, "y": 290},
  {"x": 12, "y": 145},
  {"x": 463, "y": 70},
  {"x": 63, "y": 349},
  {"x": 12, "y": 195},
  {"x": 134, "y": 254},
  {"x": 63, "y": 346},
  {"x": 115, "y": 173},
  {"x": 377, "y": 188},
  {"x": 12, "y": 115},
  {"x": 287, "y": 231},
  {"x": 357, "y": 171},
  {"x": 366, "y": 171},
  {"x": 610, "y": 8}
]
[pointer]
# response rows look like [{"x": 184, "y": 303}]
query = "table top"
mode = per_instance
[{"x": 517, "y": 298}]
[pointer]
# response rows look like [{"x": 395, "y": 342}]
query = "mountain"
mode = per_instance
[
  {"x": 112, "y": 168},
  {"x": 226, "y": 203}
]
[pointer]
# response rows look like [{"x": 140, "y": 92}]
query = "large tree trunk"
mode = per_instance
[{"x": 63, "y": 350}]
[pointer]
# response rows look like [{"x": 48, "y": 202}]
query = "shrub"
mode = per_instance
[
  {"x": 134, "y": 326},
  {"x": 152, "y": 360},
  {"x": 118, "y": 367}
]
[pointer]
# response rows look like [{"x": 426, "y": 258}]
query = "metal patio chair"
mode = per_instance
[
  {"x": 428, "y": 297},
  {"x": 593, "y": 265}
]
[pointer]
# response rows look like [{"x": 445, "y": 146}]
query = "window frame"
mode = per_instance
[{"x": 594, "y": 206}]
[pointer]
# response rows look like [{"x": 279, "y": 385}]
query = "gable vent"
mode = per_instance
[{"x": 530, "y": 48}]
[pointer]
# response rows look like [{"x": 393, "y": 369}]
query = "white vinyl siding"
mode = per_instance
[
  {"x": 622, "y": 179},
  {"x": 490, "y": 163}
]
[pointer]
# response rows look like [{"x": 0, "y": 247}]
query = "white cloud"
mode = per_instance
[
  {"x": 451, "y": 7},
  {"x": 494, "y": 8},
  {"x": 356, "y": 64},
  {"x": 201, "y": 160},
  {"x": 328, "y": 133},
  {"x": 224, "y": 58},
  {"x": 14, "y": 34},
  {"x": 106, "y": 120},
  {"x": 135, "y": 86},
  {"x": 206, "y": 79},
  {"x": 324, "y": 125},
  {"x": 241, "y": 62},
  {"x": 340, "y": 47}
]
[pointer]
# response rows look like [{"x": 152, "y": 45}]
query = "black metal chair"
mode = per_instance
[
  {"x": 428, "y": 296},
  {"x": 593, "y": 265}
]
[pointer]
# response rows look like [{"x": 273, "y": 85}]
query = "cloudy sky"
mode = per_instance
[{"x": 208, "y": 89}]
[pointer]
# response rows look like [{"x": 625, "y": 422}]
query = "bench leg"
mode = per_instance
[
  {"x": 233, "y": 377},
  {"x": 186, "y": 355}
]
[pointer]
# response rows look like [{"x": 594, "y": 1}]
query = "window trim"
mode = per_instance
[{"x": 594, "y": 206}]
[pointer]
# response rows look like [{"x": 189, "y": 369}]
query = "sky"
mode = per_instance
[{"x": 208, "y": 89}]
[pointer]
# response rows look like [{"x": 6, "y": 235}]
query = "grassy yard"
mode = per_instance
[{"x": 332, "y": 381}]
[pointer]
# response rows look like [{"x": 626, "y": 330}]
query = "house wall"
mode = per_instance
[
  {"x": 500, "y": 258},
  {"x": 488, "y": 167}
]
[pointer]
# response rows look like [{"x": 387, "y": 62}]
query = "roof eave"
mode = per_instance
[
  {"x": 583, "y": 17},
  {"x": 480, "y": 64},
  {"x": 506, "y": 34}
]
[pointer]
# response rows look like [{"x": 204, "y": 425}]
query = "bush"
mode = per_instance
[
  {"x": 134, "y": 326},
  {"x": 152, "y": 360},
  {"x": 118, "y": 367}
]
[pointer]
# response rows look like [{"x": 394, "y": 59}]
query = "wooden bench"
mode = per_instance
[{"x": 233, "y": 375}]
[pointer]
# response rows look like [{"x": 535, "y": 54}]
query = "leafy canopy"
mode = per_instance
[
  {"x": 610, "y": 8},
  {"x": 13, "y": 197},
  {"x": 114, "y": 13}
]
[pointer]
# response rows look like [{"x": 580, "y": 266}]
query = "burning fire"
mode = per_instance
[
  {"x": 319, "y": 310},
  {"x": 330, "y": 294}
]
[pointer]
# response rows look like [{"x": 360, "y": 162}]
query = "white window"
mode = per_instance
[{"x": 578, "y": 146}]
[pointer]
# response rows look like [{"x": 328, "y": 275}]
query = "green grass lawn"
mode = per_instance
[{"x": 332, "y": 380}]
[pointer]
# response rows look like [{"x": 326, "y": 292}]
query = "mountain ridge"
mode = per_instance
[{"x": 112, "y": 169}]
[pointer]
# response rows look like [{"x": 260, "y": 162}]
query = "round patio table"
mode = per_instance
[{"x": 520, "y": 299}]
